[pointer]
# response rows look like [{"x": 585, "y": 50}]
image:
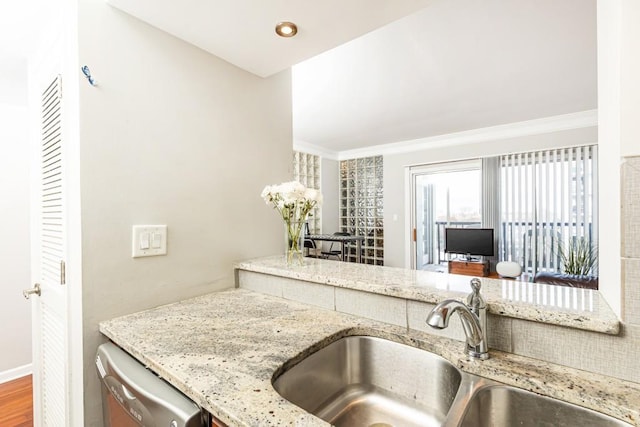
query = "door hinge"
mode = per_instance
[
  {"x": 63, "y": 273},
  {"x": 415, "y": 235}
]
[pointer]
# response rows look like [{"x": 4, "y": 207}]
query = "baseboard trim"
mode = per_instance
[{"x": 15, "y": 373}]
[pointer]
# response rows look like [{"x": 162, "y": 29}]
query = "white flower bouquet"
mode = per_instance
[{"x": 294, "y": 203}]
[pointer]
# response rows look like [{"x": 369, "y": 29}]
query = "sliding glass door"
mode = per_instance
[
  {"x": 542, "y": 206},
  {"x": 442, "y": 195}
]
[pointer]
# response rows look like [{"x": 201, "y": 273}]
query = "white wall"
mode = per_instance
[
  {"x": 13, "y": 81},
  {"x": 618, "y": 101},
  {"x": 172, "y": 135},
  {"x": 609, "y": 118},
  {"x": 630, "y": 70},
  {"x": 330, "y": 188},
  {"x": 395, "y": 226},
  {"x": 15, "y": 273}
]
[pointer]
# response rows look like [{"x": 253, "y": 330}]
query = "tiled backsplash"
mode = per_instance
[
  {"x": 631, "y": 239},
  {"x": 631, "y": 207},
  {"x": 631, "y": 274}
]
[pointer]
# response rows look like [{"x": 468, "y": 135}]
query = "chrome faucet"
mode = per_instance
[{"x": 474, "y": 320}]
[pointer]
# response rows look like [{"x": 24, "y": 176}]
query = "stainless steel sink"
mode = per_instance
[
  {"x": 504, "y": 406},
  {"x": 371, "y": 382},
  {"x": 366, "y": 381}
]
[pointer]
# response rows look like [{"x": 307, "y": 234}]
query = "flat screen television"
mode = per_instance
[{"x": 469, "y": 241}]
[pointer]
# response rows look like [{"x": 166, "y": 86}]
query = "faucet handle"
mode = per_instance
[
  {"x": 476, "y": 284},
  {"x": 475, "y": 300}
]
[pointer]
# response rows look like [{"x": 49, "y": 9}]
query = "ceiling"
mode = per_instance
[
  {"x": 439, "y": 67},
  {"x": 242, "y": 32},
  {"x": 455, "y": 66}
]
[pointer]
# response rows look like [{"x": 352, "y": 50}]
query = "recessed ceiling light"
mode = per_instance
[{"x": 286, "y": 29}]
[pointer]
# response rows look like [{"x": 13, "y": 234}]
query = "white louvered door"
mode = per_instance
[{"x": 50, "y": 309}]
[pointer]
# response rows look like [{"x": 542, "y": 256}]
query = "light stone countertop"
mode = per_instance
[
  {"x": 223, "y": 349},
  {"x": 564, "y": 306}
]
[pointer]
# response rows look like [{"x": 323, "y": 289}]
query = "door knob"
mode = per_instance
[{"x": 33, "y": 291}]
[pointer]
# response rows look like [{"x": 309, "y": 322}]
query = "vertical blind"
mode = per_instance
[
  {"x": 491, "y": 201},
  {"x": 546, "y": 199}
]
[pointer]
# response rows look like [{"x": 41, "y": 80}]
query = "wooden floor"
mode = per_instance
[{"x": 16, "y": 403}]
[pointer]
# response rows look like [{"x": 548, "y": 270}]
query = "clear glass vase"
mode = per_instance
[{"x": 293, "y": 234}]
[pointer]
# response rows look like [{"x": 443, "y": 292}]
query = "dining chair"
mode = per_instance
[
  {"x": 310, "y": 247},
  {"x": 333, "y": 252}
]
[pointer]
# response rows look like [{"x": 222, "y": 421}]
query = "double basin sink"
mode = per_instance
[{"x": 371, "y": 382}]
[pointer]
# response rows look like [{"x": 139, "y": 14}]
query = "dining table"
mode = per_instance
[{"x": 342, "y": 239}]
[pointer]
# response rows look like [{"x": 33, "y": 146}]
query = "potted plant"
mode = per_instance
[{"x": 579, "y": 257}]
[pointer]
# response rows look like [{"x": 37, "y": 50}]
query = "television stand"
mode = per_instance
[{"x": 469, "y": 268}]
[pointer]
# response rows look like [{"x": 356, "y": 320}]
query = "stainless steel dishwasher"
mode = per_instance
[{"x": 134, "y": 396}]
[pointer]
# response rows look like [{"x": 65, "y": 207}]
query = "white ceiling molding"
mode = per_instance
[
  {"x": 316, "y": 150},
  {"x": 558, "y": 123}
]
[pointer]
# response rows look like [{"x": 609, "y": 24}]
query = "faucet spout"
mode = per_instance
[
  {"x": 474, "y": 320},
  {"x": 440, "y": 315}
]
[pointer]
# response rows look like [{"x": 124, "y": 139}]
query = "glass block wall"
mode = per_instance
[
  {"x": 306, "y": 170},
  {"x": 361, "y": 206}
]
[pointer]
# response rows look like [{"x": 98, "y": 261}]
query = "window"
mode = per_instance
[{"x": 547, "y": 202}]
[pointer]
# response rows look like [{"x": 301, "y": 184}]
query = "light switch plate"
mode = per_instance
[{"x": 149, "y": 240}]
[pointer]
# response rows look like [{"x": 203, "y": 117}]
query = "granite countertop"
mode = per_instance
[
  {"x": 571, "y": 307},
  {"x": 222, "y": 350}
]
